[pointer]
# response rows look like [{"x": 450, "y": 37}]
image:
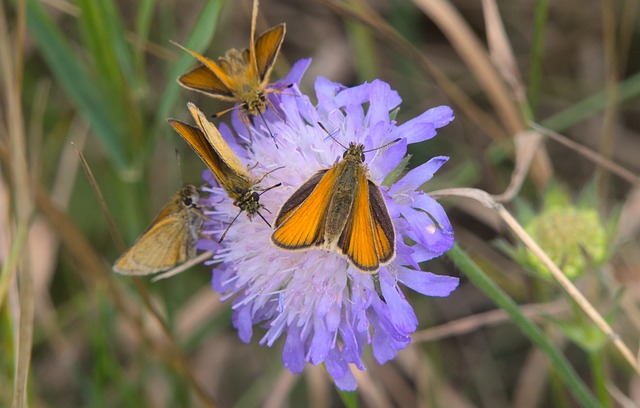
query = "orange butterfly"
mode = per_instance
[
  {"x": 339, "y": 208},
  {"x": 170, "y": 239},
  {"x": 234, "y": 178},
  {"x": 239, "y": 76}
]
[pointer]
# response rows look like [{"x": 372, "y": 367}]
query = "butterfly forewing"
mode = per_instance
[
  {"x": 221, "y": 83},
  {"x": 170, "y": 239},
  {"x": 199, "y": 143},
  {"x": 267, "y": 49},
  {"x": 202, "y": 79},
  {"x": 220, "y": 145},
  {"x": 300, "y": 222}
]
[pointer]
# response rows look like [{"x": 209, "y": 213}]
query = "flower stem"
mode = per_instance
[
  {"x": 599, "y": 378},
  {"x": 477, "y": 276}
]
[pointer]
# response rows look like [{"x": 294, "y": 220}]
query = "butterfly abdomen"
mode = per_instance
[{"x": 341, "y": 201}]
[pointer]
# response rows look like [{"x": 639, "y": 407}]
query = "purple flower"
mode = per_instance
[{"x": 327, "y": 310}]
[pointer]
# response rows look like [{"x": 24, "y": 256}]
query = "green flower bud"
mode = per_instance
[{"x": 573, "y": 238}]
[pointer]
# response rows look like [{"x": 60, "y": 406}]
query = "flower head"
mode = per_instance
[
  {"x": 326, "y": 309},
  {"x": 573, "y": 235}
]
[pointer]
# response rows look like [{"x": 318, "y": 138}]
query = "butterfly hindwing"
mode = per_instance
[
  {"x": 357, "y": 239},
  {"x": 383, "y": 230}
]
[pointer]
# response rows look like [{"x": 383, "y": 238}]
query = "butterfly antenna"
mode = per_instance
[
  {"x": 217, "y": 115},
  {"x": 280, "y": 89},
  {"x": 224, "y": 234},
  {"x": 267, "y": 173},
  {"x": 264, "y": 219},
  {"x": 270, "y": 188},
  {"x": 330, "y": 134},
  {"x": 384, "y": 145},
  {"x": 269, "y": 130}
]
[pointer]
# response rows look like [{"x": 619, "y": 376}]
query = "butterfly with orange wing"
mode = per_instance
[{"x": 239, "y": 76}]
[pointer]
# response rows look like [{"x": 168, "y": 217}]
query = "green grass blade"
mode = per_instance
[
  {"x": 112, "y": 58},
  {"x": 143, "y": 26},
  {"x": 480, "y": 280},
  {"x": 97, "y": 29},
  {"x": 537, "y": 48},
  {"x": 586, "y": 108},
  {"x": 74, "y": 79},
  {"x": 200, "y": 38}
]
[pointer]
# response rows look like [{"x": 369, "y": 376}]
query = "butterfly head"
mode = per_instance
[
  {"x": 255, "y": 104},
  {"x": 189, "y": 196},
  {"x": 249, "y": 202},
  {"x": 355, "y": 151}
]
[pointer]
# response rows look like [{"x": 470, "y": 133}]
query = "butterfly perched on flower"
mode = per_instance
[
  {"x": 339, "y": 208},
  {"x": 239, "y": 76},
  {"x": 208, "y": 143},
  {"x": 170, "y": 239}
]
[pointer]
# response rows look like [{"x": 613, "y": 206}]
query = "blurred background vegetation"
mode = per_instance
[{"x": 101, "y": 74}]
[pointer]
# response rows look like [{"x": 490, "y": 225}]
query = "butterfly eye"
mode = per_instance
[{"x": 190, "y": 200}]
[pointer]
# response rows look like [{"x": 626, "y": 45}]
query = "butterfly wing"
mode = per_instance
[
  {"x": 300, "y": 222},
  {"x": 202, "y": 79},
  {"x": 208, "y": 143},
  {"x": 267, "y": 48},
  {"x": 368, "y": 239},
  {"x": 238, "y": 173},
  {"x": 199, "y": 143},
  {"x": 166, "y": 243},
  {"x": 383, "y": 231},
  {"x": 209, "y": 75}
]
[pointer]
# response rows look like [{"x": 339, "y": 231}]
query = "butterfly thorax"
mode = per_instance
[
  {"x": 349, "y": 170},
  {"x": 249, "y": 202},
  {"x": 355, "y": 152},
  {"x": 245, "y": 85},
  {"x": 188, "y": 198}
]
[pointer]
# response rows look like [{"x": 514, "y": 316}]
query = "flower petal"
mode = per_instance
[
  {"x": 242, "y": 322},
  {"x": 424, "y": 126},
  {"x": 387, "y": 100},
  {"x": 339, "y": 370},
  {"x": 427, "y": 283},
  {"x": 296, "y": 72},
  {"x": 416, "y": 177},
  {"x": 293, "y": 352},
  {"x": 429, "y": 224},
  {"x": 400, "y": 311}
]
